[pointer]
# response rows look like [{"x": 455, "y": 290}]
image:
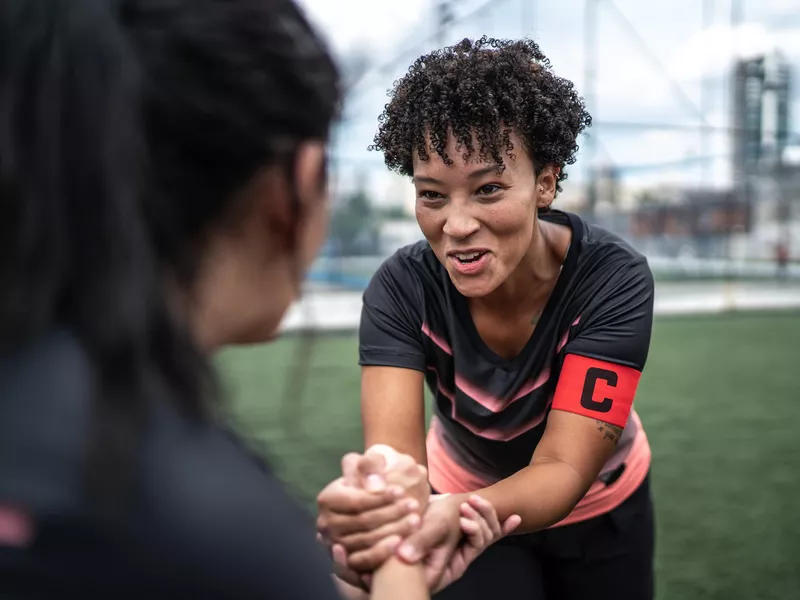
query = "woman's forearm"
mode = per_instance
[
  {"x": 542, "y": 494},
  {"x": 396, "y": 580}
]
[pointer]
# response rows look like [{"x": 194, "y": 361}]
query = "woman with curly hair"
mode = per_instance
[{"x": 531, "y": 328}]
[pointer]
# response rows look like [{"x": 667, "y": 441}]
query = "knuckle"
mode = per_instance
[
  {"x": 370, "y": 463},
  {"x": 396, "y": 511},
  {"x": 401, "y": 528},
  {"x": 404, "y": 461},
  {"x": 405, "y": 529},
  {"x": 349, "y": 461},
  {"x": 413, "y": 474}
]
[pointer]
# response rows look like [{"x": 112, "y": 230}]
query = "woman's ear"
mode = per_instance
[
  {"x": 310, "y": 173},
  {"x": 271, "y": 204},
  {"x": 546, "y": 184}
]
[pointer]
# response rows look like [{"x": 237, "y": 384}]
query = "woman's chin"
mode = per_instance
[
  {"x": 476, "y": 287},
  {"x": 261, "y": 332}
]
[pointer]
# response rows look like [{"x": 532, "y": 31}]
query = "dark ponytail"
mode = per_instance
[
  {"x": 126, "y": 128},
  {"x": 74, "y": 247}
]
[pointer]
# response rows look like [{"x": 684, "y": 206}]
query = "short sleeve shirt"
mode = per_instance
[{"x": 490, "y": 412}]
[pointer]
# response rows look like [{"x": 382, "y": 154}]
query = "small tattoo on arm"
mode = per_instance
[{"x": 610, "y": 432}]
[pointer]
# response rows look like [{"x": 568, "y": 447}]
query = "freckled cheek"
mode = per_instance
[
  {"x": 430, "y": 223},
  {"x": 512, "y": 231},
  {"x": 509, "y": 222}
]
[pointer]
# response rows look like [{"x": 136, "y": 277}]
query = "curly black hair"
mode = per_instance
[{"x": 488, "y": 88}]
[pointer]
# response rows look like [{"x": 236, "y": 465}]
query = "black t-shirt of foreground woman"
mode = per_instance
[{"x": 162, "y": 189}]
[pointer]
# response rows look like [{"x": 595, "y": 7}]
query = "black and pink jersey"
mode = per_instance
[{"x": 586, "y": 355}]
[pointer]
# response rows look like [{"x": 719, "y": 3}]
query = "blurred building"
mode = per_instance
[
  {"x": 760, "y": 211},
  {"x": 762, "y": 178},
  {"x": 700, "y": 223},
  {"x": 760, "y": 114}
]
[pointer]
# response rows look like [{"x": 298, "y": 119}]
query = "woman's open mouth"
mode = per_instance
[{"x": 469, "y": 263}]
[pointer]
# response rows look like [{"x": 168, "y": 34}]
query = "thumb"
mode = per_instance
[
  {"x": 420, "y": 543},
  {"x": 371, "y": 469},
  {"x": 511, "y": 523},
  {"x": 389, "y": 454}
]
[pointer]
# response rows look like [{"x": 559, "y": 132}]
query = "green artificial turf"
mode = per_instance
[{"x": 720, "y": 400}]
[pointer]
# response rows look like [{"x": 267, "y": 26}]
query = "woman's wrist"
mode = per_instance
[{"x": 398, "y": 580}]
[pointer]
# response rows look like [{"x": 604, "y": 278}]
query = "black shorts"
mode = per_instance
[{"x": 610, "y": 556}]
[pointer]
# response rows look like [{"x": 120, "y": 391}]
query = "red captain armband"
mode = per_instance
[{"x": 597, "y": 389}]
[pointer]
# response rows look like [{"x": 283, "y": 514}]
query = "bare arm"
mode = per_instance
[
  {"x": 566, "y": 462},
  {"x": 393, "y": 410},
  {"x": 394, "y": 580},
  {"x": 592, "y": 402}
]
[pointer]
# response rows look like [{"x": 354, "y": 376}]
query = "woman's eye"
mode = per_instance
[
  {"x": 430, "y": 195},
  {"x": 489, "y": 189}
]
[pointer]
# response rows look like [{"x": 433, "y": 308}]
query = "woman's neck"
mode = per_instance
[{"x": 536, "y": 274}]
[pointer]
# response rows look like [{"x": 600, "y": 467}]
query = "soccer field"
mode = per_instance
[{"x": 720, "y": 400}]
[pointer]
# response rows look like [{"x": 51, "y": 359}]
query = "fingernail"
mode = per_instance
[
  {"x": 412, "y": 504},
  {"x": 374, "y": 483},
  {"x": 408, "y": 552},
  {"x": 396, "y": 491},
  {"x": 413, "y": 520}
]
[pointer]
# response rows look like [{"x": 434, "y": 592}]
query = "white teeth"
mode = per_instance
[{"x": 469, "y": 256}]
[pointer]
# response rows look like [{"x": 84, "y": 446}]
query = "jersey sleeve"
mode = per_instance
[
  {"x": 604, "y": 361},
  {"x": 390, "y": 333}
]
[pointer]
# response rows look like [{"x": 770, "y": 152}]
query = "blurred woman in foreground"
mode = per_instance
[{"x": 162, "y": 185}]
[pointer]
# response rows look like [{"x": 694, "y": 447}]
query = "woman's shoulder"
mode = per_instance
[
  {"x": 213, "y": 506},
  {"x": 205, "y": 513}
]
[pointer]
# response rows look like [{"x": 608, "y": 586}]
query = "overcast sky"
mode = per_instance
[{"x": 652, "y": 57}]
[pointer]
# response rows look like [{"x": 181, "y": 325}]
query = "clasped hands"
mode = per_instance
[{"x": 382, "y": 507}]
